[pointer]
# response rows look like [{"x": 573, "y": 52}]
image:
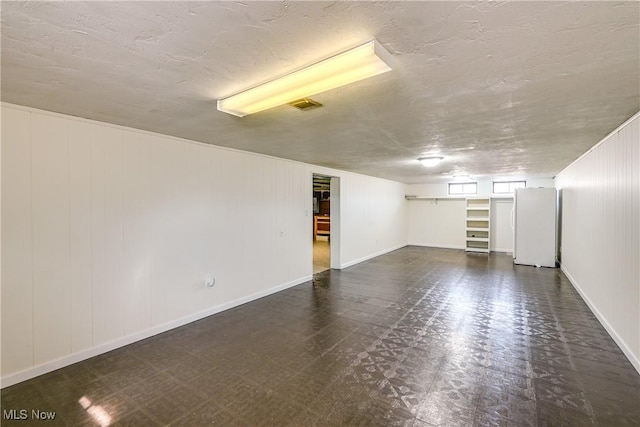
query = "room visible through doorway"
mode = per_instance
[{"x": 321, "y": 223}]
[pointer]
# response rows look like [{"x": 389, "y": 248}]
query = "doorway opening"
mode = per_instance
[{"x": 322, "y": 223}]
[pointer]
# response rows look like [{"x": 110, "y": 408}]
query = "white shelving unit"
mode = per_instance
[{"x": 478, "y": 224}]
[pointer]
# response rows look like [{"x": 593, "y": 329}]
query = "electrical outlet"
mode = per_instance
[{"x": 209, "y": 281}]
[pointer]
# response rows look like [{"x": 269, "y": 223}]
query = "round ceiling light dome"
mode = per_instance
[{"x": 430, "y": 161}]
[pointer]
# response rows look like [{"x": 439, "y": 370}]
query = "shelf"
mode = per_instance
[
  {"x": 321, "y": 226},
  {"x": 410, "y": 197},
  {"x": 486, "y": 251},
  {"x": 478, "y": 219},
  {"x": 413, "y": 197}
]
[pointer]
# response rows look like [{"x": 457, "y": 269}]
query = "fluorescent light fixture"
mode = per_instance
[
  {"x": 367, "y": 60},
  {"x": 430, "y": 161}
]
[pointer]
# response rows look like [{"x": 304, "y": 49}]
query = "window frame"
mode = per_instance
[
  {"x": 510, "y": 186},
  {"x": 462, "y": 187}
]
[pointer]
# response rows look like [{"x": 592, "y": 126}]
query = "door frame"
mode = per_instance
[{"x": 335, "y": 223}]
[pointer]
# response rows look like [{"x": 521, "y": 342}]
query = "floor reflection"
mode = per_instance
[{"x": 99, "y": 415}]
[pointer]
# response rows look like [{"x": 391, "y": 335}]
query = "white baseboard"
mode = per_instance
[
  {"x": 368, "y": 257},
  {"x": 437, "y": 245},
  {"x": 635, "y": 361},
  {"x": 502, "y": 250},
  {"x": 70, "y": 359}
]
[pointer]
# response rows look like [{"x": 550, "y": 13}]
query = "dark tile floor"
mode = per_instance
[{"x": 417, "y": 337}]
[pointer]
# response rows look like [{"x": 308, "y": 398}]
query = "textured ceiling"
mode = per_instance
[{"x": 498, "y": 88}]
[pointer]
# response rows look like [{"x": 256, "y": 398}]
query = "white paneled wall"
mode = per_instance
[
  {"x": 108, "y": 233},
  {"x": 17, "y": 242},
  {"x": 373, "y": 217},
  {"x": 437, "y": 223},
  {"x": 601, "y": 233},
  {"x": 501, "y": 230},
  {"x": 440, "y": 221},
  {"x": 50, "y": 239}
]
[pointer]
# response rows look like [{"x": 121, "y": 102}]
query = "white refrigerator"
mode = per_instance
[{"x": 534, "y": 226}]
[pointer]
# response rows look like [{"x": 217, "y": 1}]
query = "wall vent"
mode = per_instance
[{"x": 305, "y": 104}]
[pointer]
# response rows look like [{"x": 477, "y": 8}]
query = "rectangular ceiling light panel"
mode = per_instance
[{"x": 347, "y": 67}]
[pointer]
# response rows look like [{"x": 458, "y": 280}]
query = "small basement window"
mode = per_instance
[
  {"x": 505, "y": 187},
  {"x": 462, "y": 188}
]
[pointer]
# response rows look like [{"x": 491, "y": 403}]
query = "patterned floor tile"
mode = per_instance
[{"x": 418, "y": 337}]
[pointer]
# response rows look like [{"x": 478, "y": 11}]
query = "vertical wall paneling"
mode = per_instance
[
  {"x": 50, "y": 192},
  {"x": 629, "y": 250},
  {"x": 166, "y": 203},
  {"x": 281, "y": 192},
  {"x": 205, "y": 210},
  {"x": 251, "y": 204},
  {"x": 349, "y": 233},
  {"x": 17, "y": 262},
  {"x": 286, "y": 218},
  {"x": 80, "y": 245},
  {"x": 336, "y": 222},
  {"x": 213, "y": 187},
  {"x": 265, "y": 201},
  {"x": 108, "y": 233},
  {"x": 201, "y": 294},
  {"x": 501, "y": 231},
  {"x": 229, "y": 224},
  {"x": 601, "y": 233},
  {"x": 98, "y": 227},
  {"x": 437, "y": 223},
  {"x": 303, "y": 213},
  {"x": 136, "y": 260},
  {"x": 372, "y": 217},
  {"x": 185, "y": 245},
  {"x": 632, "y": 135},
  {"x": 113, "y": 295}
]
